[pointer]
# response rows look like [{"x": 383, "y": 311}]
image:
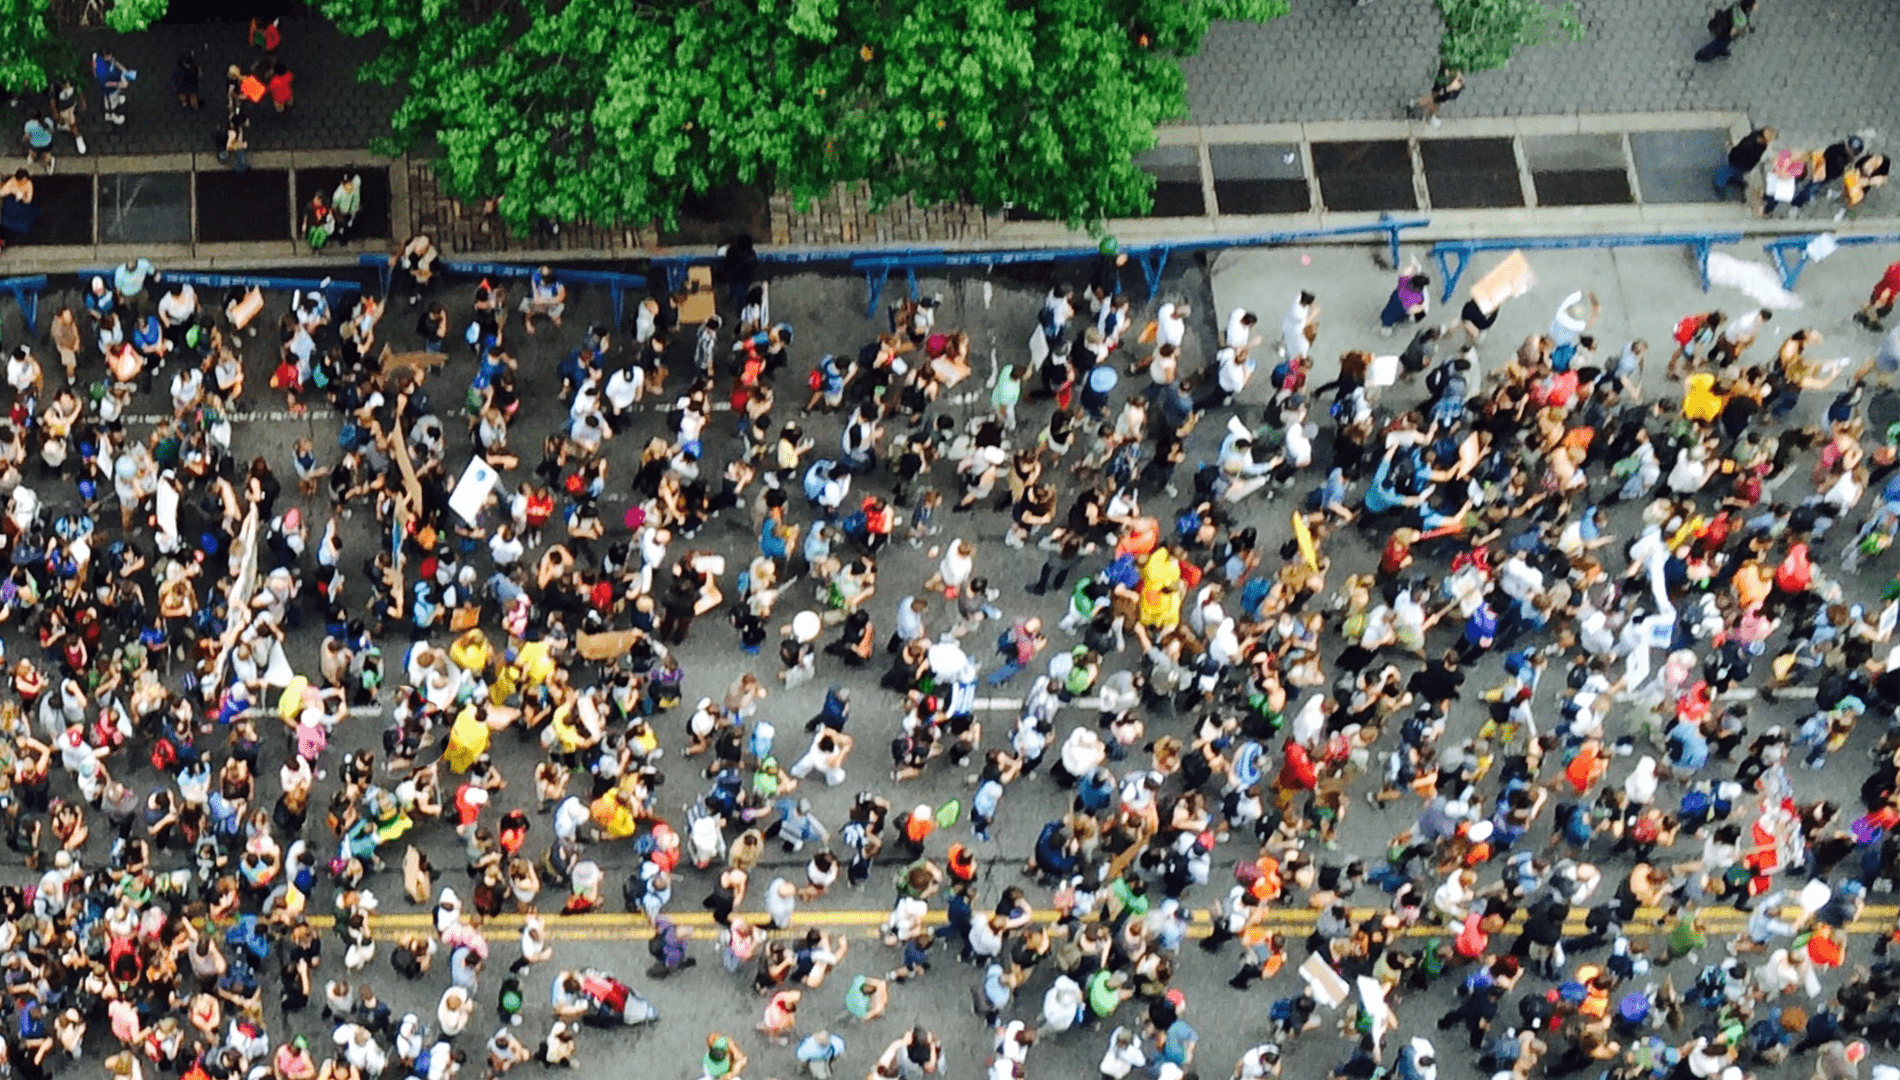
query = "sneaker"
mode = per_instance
[
  {"x": 51, "y": 163},
  {"x": 115, "y": 118},
  {"x": 79, "y": 143}
]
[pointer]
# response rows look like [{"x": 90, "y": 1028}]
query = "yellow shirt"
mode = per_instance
[{"x": 1699, "y": 400}]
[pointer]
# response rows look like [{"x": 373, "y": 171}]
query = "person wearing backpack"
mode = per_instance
[{"x": 1726, "y": 26}]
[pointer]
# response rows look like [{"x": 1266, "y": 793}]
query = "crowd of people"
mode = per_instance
[{"x": 1217, "y": 703}]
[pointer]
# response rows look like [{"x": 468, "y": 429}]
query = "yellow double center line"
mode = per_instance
[{"x": 622, "y": 926}]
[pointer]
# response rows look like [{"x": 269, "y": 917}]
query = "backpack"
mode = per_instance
[
  {"x": 1722, "y": 23},
  {"x": 634, "y": 890},
  {"x": 1687, "y": 329}
]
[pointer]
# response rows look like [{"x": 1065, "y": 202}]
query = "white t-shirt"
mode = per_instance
[
  {"x": 1238, "y": 332},
  {"x": 180, "y": 308},
  {"x": 1293, "y": 329},
  {"x": 1299, "y": 448},
  {"x": 1170, "y": 327},
  {"x": 1235, "y": 372},
  {"x": 506, "y": 551}
]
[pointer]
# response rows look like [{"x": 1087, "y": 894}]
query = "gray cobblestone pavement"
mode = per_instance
[
  {"x": 1813, "y": 69},
  {"x": 333, "y": 111}
]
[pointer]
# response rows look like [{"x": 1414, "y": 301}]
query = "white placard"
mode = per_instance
[{"x": 473, "y": 489}]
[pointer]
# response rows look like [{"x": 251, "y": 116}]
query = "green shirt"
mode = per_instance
[
  {"x": 1103, "y": 998},
  {"x": 1684, "y": 936},
  {"x": 856, "y": 1001},
  {"x": 1008, "y": 391}
]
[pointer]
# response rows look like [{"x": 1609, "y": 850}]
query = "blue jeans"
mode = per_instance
[
  {"x": 240, "y": 160},
  {"x": 1727, "y": 176},
  {"x": 1003, "y": 674}
]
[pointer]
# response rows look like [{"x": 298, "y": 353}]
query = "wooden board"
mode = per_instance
[
  {"x": 605, "y": 646},
  {"x": 698, "y": 304},
  {"x": 391, "y": 361}
]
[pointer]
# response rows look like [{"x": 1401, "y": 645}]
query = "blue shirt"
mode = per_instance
[
  {"x": 815, "y": 1049},
  {"x": 915, "y": 956},
  {"x": 983, "y": 803},
  {"x": 1179, "y": 1042}
]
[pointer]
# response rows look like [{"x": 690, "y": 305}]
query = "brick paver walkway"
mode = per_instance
[
  {"x": 1814, "y": 68},
  {"x": 333, "y": 111}
]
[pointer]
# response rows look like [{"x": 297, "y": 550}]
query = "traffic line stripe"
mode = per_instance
[{"x": 608, "y": 925}]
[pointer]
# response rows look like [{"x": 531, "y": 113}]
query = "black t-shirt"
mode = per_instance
[
  {"x": 1747, "y": 154},
  {"x": 1436, "y": 682}
]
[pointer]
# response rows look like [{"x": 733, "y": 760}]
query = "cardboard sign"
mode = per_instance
[
  {"x": 1326, "y": 984},
  {"x": 605, "y": 646},
  {"x": 1507, "y": 280},
  {"x": 697, "y": 306}
]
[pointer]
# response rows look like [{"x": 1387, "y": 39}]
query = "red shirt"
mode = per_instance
[
  {"x": 1392, "y": 560},
  {"x": 280, "y": 88},
  {"x": 1889, "y": 281}
]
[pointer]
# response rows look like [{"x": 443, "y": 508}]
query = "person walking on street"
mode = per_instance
[
  {"x": 1743, "y": 158},
  {"x": 64, "y": 100},
  {"x": 112, "y": 77},
  {"x": 1727, "y": 26},
  {"x": 236, "y": 152},
  {"x": 1880, "y": 304},
  {"x": 1446, "y": 86},
  {"x": 39, "y": 141}
]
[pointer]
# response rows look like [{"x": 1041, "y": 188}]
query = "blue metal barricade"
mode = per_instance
[
  {"x": 617, "y": 284},
  {"x": 1453, "y": 255},
  {"x": 1790, "y": 253},
  {"x": 26, "y": 293},
  {"x": 329, "y": 287},
  {"x": 1151, "y": 258}
]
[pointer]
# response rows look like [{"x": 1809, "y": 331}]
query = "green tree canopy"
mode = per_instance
[
  {"x": 1482, "y": 34},
  {"x": 32, "y": 50},
  {"x": 616, "y": 110}
]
